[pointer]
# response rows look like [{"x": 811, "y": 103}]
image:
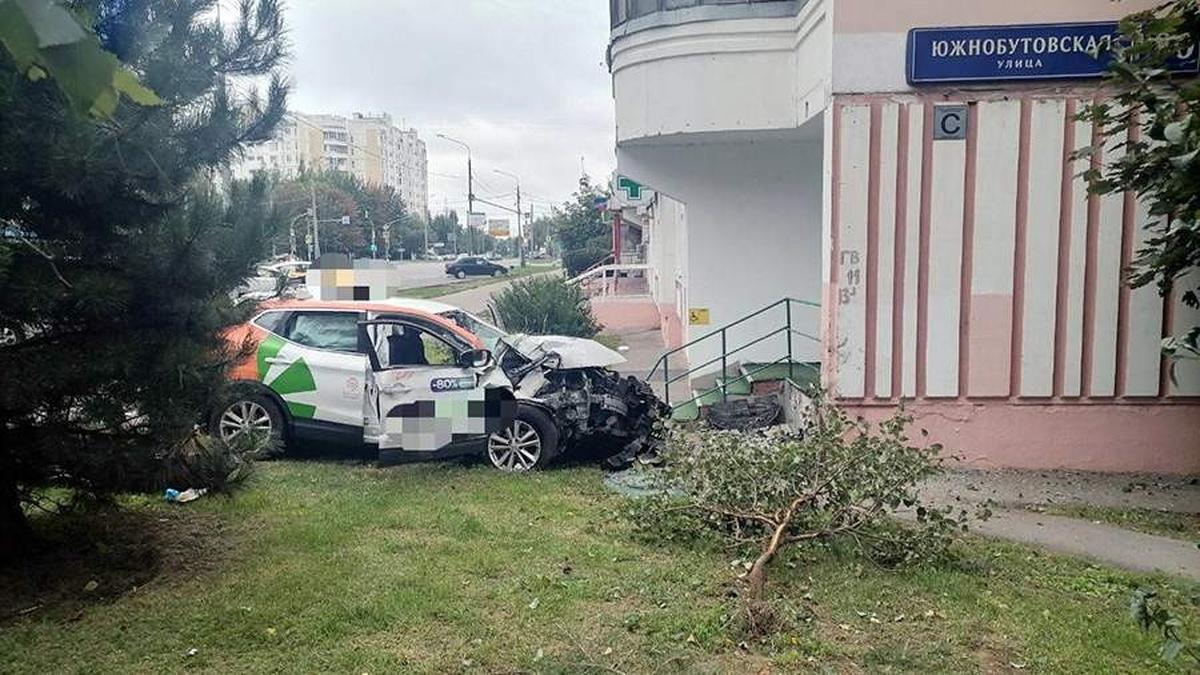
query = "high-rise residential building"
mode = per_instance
[{"x": 368, "y": 146}]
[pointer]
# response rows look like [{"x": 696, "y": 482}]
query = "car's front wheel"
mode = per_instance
[
  {"x": 460, "y": 274},
  {"x": 250, "y": 416},
  {"x": 496, "y": 273},
  {"x": 530, "y": 442}
]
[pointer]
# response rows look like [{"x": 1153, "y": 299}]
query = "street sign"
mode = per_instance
[
  {"x": 950, "y": 122},
  {"x": 1050, "y": 51},
  {"x": 699, "y": 316}
]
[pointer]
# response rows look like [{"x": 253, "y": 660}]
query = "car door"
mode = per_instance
[
  {"x": 318, "y": 369},
  {"x": 420, "y": 398}
]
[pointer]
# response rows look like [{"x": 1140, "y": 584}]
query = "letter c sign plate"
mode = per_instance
[{"x": 949, "y": 122}]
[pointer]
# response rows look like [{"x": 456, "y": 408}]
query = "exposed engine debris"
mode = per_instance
[{"x": 588, "y": 401}]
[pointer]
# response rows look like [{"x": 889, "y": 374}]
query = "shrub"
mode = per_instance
[
  {"x": 545, "y": 306},
  {"x": 207, "y": 462},
  {"x": 578, "y": 261},
  {"x": 768, "y": 489}
]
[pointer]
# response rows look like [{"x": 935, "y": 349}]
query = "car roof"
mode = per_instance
[
  {"x": 374, "y": 306},
  {"x": 421, "y": 304}
]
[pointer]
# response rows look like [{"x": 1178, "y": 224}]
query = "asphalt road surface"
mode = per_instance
[
  {"x": 416, "y": 273},
  {"x": 476, "y": 300}
]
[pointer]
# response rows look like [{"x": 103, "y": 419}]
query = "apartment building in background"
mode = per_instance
[{"x": 369, "y": 146}]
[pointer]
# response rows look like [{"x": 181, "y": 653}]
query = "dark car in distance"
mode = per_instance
[{"x": 474, "y": 266}]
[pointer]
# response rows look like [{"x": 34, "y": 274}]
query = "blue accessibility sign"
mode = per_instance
[{"x": 1052, "y": 51}]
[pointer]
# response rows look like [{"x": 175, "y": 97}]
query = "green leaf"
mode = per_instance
[
  {"x": 46, "y": 41},
  {"x": 52, "y": 23},
  {"x": 127, "y": 83},
  {"x": 17, "y": 36}
]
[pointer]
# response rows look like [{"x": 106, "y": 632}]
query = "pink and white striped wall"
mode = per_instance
[{"x": 979, "y": 282}]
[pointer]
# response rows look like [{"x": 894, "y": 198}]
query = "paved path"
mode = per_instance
[
  {"x": 1097, "y": 541},
  {"x": 1013, "y": 491}
]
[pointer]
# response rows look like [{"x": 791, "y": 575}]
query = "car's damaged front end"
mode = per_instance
[{"x": 573, "y": 379}]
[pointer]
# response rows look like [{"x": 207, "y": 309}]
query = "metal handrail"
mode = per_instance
[
  {"x": 722, "y": 332},
  {"x": 708, "y": 363}
]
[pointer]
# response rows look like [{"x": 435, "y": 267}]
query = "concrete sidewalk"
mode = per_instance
[
  {"x": 1097, "y": 541},
  {"x": 1011, "y": 493},
  {"x": 645, "y": 348}
]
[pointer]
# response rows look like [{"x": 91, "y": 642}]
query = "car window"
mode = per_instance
[
  {"x": 487, "y": 333},
  {"x": 407, "y": 346},
  {"x": 274, "y": 321},
  {"x": 336, "y": 331}
]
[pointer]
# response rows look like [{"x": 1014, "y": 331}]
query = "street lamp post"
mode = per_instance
[
  {"x": 387, "y": 236},
  {"x": 470, "y": 187},
  {"x": 292, "y": 232},
  {"x": 520, "y": 243}
]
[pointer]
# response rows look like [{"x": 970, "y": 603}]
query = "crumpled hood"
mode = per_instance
[{"x": 574, "y": 352}]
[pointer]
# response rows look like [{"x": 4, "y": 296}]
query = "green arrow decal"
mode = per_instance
[
  {"x": 296, "y": 379},
  {"x": 268, "y": 349}
]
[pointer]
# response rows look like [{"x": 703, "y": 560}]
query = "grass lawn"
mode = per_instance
[
  {"x": 1166, "y": 523},
  {"x": 428, "y": 292},
  {"x": 444, "y": 568}
]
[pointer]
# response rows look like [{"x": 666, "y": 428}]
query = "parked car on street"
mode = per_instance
[
  {"x": 475, "y": 266},
  {"x": 419, "y": 385}
]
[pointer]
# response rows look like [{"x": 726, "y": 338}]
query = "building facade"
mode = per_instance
[
  {"x": 370, "y": 147},
  {"x": 916, "y": 183}
]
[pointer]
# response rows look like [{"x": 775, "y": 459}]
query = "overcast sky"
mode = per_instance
[{"x": 522, "y": 81}]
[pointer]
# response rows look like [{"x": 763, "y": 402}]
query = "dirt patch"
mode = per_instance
[{"x": 98, "y": 557}]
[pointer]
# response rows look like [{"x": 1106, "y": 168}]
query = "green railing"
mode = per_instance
[{"x": 723, "y": 382}]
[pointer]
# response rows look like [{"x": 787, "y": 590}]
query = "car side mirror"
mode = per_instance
[{"x": 475, "y": 358}]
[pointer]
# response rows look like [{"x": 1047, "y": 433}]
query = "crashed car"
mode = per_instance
[{"x": 419, "y": 385}]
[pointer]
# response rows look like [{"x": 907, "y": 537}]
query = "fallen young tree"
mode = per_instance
[{"x": 767, "y": 490}]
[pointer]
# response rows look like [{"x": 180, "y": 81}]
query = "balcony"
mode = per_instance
[
  {"x": 627, "y": 16},
  {"x": 706, "y": 70}
]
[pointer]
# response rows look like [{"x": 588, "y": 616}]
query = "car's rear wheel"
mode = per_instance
[
  {"x": 460, "y": 274},
  {"x": 248, "y": 416},
  {"x": 530, "y": 442}
]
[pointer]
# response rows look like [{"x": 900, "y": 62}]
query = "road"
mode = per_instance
[
  {"x": 476, "y": 300},
  {"x": 416, "y": 273}
]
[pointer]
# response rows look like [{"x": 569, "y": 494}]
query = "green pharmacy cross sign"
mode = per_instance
[{"x": 631, "y": 188}]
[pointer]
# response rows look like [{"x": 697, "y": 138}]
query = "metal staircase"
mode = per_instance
[{"x": 746, "y": 375}]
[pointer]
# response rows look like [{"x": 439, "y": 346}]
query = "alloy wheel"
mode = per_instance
[
  {"x": 516, "y": 448},
  {"x": 244, "y": 417}
]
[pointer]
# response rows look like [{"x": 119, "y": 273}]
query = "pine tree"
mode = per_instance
[{"x": 117, "y": 254}]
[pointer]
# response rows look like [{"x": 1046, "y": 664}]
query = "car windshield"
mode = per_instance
[{"x": 486, "y": 332}]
